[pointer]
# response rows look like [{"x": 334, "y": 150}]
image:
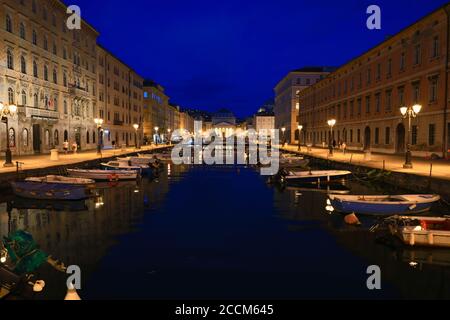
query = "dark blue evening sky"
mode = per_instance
[{"x": 213, "y": 54}]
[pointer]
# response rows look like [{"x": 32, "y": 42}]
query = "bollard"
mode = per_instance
[{"x": 54, "y": 155}]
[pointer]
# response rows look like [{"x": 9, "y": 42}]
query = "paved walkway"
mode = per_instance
[
  {"x": 439, "y": 168},
  {"x": 43, "y": 161}
]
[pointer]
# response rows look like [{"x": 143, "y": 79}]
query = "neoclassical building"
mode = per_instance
[
  {"x": 365, "y": 95},
  {"x": 49, "y": 72}
]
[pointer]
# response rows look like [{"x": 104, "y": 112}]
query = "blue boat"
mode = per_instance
[
  {"x": 50, "y": 191},
  {"x": 383, "y": 205}
]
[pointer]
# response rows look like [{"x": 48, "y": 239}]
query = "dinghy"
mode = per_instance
[
  {"x": 321, "y": 176},
  {"x": 139, "y": 161},
  {"x": 50, "y": 191},
  {"x": 125, "y": 165},
  {"x": 421, "y": 231},
  {"x": 104, "y": 175},
  {"x": 383, "y": 205}
]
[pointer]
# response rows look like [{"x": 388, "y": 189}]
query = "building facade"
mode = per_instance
[
  {"x": 156, "y": 104},
  {"x": 265, "y": 122},
  {"x": 365, "y": 95},
  {"x": 49, "y": 73},
  {"x": 120, "y": 101},
  {"x": 286, "y": 101}
]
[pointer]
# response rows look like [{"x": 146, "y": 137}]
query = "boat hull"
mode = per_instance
[
  {"x": 104, "y": 175},
  {"x": 316, "y": 177},
  {"x": 49, "y": 191}
]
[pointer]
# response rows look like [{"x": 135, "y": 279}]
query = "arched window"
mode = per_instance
[
  {"x": 24, "y": 98},
  {"x": 87, "y": 138},
  {"x": 56, "y": 138},
  {"x": 34, "y": 37},
  {"x": 35, "y": 69},
  {"x": 45, "y": 73},
  {"x": 10, "y": 59},
  {"x": 23, "y": 64},
  {"x": 55, "y": 76},
  {"x": 8, "y": 23},
  {"x": 66, "y": 136},
  {"x": 22, "y": 31},
  {"x": 10, "y": 96},
  {"x": 12, "y": 138},
  {"x": 36, "y": 100},
  {"x": 25, "y": 137}
]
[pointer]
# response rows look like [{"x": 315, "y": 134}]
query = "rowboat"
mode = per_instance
[
  {"x": 125, "y": 165},
  {"x": 383, "y": 205},
  {"x": 321, "y": 176},
  {"x": 421, "y": 231},
  {"x": 50, "y": 191},
  {"x": 104, "y": 175},
  {"x": 62, "y": 180}
]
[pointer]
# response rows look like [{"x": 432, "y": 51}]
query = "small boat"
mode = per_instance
[
  {"x": 139, "y": 161},
  {"x": 125, "y": 165},
  {"x": 421, "y": 231},
  {"x": 159, "y": 156},
  {"x": 321, "y": 176},
  {"x": 62, "y": 180},
  {"x": 293, "y": 163},
  {"x": 383, "y": 205},
  {"x": 50, "y": 191},
  {"x": 104, "y": 175}
]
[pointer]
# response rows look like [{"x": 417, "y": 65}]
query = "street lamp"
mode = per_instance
[
  {"x": 410, "y": 113},
  {"x": 283, "y": 130},
  {"x": 136, "y": 128},
  {"x": 5, "y": 112},
  {"x": 99, "y": 123},
  {"x": 331, "y": 124},
  {"x": 300, "y": 128},
  {"x": 156, "y": 135}
]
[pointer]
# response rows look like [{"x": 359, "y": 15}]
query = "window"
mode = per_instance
[
  {"x": 377, "y": 102},
  {"x": 45, "y": 43},
  {"x": 435, "y": 48},
  {"x": 431, "y": 134},
  {"x": 145, "y": 94},
  {"x": 93, "y": 136},
  {"x": 352, "y": 111},
  {"x": 359, "y": 107},
  {"x": 387, "y": 136},
  {"x": 35, "y": 69},
  {"x": 36, "y": 100},
  {"x": 388, "y": 107},
  {"x": 56, "y": 138},
  {"x": 389, "y": 68},
  {"x": 44, "y": 14},
  {"x": 65, "y": 53},
  {"x": 55, "y": 103},
  {"x": 369, "y": 76},
  {"x": 66, "y": 136},
  {"x": 24, "y": 98},
  {"x": 45, "y": 73},
  {"x": 55, "y": 76},
  {"x": 12, "y": 138},
  {"x": 378, "y": 72},
  {"x": 416, "y": 92},
  {"x": 34, "y": 37},
  {"x": 25, "y": 137},
  {"x": 66, "y": 111},
  {"x": 9, "y": 24},
  {"x": 433, "y": 89},
  {"x": 417, "y": 54},
  {"x": 55, "y": 50},
  {"x": 47, "y": 137},
  {"x": 10, "y": 96},
  {"x": 65, "y": 79},
  {"x": 414, "y": 135},
  {"x": 359, "y": 136},
  {"x": 87, "y": 138},
  {"x": 402, "y": 61},
  {"x": 33, "y": 6},
  {"x": 351, "y": 135},
  {"x": 10, "y": 59},
  {"x": 22, "y": 31},
  {"x": 23, "y": 64},
  {"x": 368, "y": 104},
  {"x": 401, "y": 96},
  {"x": 377, "y": 135}
]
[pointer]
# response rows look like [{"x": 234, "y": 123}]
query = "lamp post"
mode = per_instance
[
  {"x": 409, "y": 113},
  {"x": 5, "y": 112},
  {"x": 300, "y": 128},
  {"x": 136, "y": 128},
  {"x": 99, "y": 123},
  {"x": 169, "y": 136},
  {"x": 331, "y": 124},
  {"x": 156, "y": 135},
  {"x": 283, "y": 130}
]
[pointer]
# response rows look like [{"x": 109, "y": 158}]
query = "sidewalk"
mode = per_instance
[
  {"x": 440, "y": 168},
  {"x": 43, "y": 161}
]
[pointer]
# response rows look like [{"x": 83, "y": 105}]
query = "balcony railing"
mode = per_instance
[
  {"x": 77, "y": 91},
  {"x": 118, "y": 123},
  {"x": 30, "y": 112}
]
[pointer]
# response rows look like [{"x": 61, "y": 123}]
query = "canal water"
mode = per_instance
[{"x": 219, "y": 232}]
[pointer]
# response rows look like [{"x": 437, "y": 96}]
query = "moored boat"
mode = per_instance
[
  {"x": 50, "y": 191},
  {"x": 383, "y": 205},
  {"x": 125, "y": 165},
  {"x": 62, "y": 180},
  {"x": 138, "y": 161},
  {"x": 421, "y": 231},
  {"x": 104, "y": 175},
  {"x": 320, "y": 176}
]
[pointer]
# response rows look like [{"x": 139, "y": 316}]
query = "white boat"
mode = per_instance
[
  {"x": 159, "y": 156},
  {"x": 125, "y": 165},
  {"x": 139, "y": 161},
  {"x": 421, "y": 231},
  {"x": 321, "y": 176},
  {"x": 104, "y": 175},
  {"x": 385, "y": 204},
  {"x": 61, "y": 180}
]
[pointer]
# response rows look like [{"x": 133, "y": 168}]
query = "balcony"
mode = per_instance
[
  {"x": 36, "y": 113},
  {"x": 118, "y": 123},
  {"x": 78, "y": 91}
]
